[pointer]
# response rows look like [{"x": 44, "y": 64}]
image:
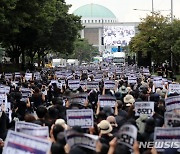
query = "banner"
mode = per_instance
[
  {"x": 172, "y": 103},
  {"x": 174, "y": 88},
  {"x": 18, "y": 143},
  {"x": 167, "y": 138},
  {"x": 127, "y": 135},
  {"x": 106, "y": 100},
  {"x": 171, "y": 119},
  {"x": 79, "y": 139},
  {"x": 81, "y": 117},
  {"x": 144, "y": 108}
]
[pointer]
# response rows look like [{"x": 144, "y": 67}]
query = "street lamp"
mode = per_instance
[{"x": 152, "y": 10}]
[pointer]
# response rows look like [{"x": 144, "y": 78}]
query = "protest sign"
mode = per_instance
[
  {"x": 28, "y": 76},
  {"x": 106, "y": 100},
  {"x": 37, "y": 75},
  {"x": 8, "y": 75},
  {"x": 4, "y": 89},
  {"x": 109, "y": 84},
  {"x": 18, "y": 143},
  {"x": 92, "y": 85},
  {"x": 132, "y": 80},
  {"x": 23, "y": 124},
  {"x": 59, "y": 85},
  {"x": 80, "y": 117},
  {"x": 174, "y": 88},
  {"x": 83, "y": 84},
  {"x": 17, "y": 74},
  {"x": 35, "y": 131},
  {"x": 157, "y": 81},
  {"x": 171, "y": 119},
  {"x": 144, "y": 107},
  {"x": 172, "y": 103},
  {"x": 127, "y": 135},
  {"x": 79, "y": 99},
  {"x": 167, "y": 138},
  {"x": 83, "y": 140},
  {"x": 74, "y": 84}
]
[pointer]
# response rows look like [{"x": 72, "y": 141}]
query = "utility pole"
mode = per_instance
[
  {"x": 152, "y": 7},
  {"x": 171, "y": 23}
]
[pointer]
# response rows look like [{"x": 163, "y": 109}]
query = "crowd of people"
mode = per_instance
[{"x": 44, "y": 97}]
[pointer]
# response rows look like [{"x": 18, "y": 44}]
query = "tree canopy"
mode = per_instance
[
  {"x": 160, "y": 37},
  {"x": 30, "y": 27}
]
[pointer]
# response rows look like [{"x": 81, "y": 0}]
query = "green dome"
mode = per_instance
[{"x": 94, "y": 11}]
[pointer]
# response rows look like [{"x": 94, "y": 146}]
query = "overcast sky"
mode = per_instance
[{"x": 123, "y": 9}]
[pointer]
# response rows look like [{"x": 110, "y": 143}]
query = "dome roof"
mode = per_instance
[{"x": 94, "y": 11}]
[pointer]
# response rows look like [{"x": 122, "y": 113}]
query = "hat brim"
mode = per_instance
[{"x": 107, "y": 130}]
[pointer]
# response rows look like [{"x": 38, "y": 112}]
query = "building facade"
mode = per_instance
[{"x": 98, "y": 20}]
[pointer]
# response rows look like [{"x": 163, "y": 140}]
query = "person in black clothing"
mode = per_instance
[{"x": 38, "y": 98}]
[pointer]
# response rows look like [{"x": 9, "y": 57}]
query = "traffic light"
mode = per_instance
[{"x": 119, "y": 48}]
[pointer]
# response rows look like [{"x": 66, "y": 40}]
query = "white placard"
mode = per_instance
[
  {"x": 79, "y": 139},
  {"x": 4, "y": 89},
  {"x": 144, "y": 108},
  {"x": 127, "y": 135},
  {"x": 171, "y": 119},
  {"x": 157, "y": 81},
  {"x": 59, "y": 85},
  {"x": 109, "y": 84},
  {"x": 92, "y": 85},
  {"x": 106, "y": 100},
  {"x": 132, "y": 80},
  {"x": 79, "y": 99},
  {"x": 8, "y": 75},
  {"x": 172, "y": 103},
  {"x": 81, "y": 117},
  {"x": 22, "y": 124},
  {"x": 35, "y": 131},
  {"x": 28, "y": 76},
  {"x": 18, "y": 143},
  {"x": 167, "y": 137},
  {"x": 74, "y": 84},
  {"x": 17, "y": 74},
  {"x": 174, "y": 88}
]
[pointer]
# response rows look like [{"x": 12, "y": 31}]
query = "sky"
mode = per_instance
[{"x": 123, "y": 9}]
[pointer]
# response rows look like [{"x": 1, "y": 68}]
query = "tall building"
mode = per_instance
[{"x": 102, "y": 28}]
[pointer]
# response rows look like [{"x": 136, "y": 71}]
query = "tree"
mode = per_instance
[
  {"x": 159, "y": 37},
  {"x": 148, "y": 39},
  {"x": 83, "y": 51},
  {"x": 32, "y": 27}
]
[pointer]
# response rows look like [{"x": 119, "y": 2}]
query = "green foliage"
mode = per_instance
[
  {"x": 83, "y": 51},
  {"x": 31, "y": 27},
  {"x": 158, "y": 36}
]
